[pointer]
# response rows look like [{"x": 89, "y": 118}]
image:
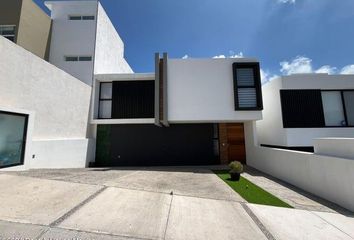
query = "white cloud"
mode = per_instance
[
  {"x": 302, "y": 64},
  {"x": 237, "y": 55},
  {"x": 219, "y": 56},
  {"x": 185, "y": 56},
  {"x": 299, "y": 64},
  {"x": 232, "y": 55},
  {"x": 326, "y": 69},
  {"x": 287, "y": 1},
  {"x": 266, "y": 76},
  {"x": 349, "y": 69}
]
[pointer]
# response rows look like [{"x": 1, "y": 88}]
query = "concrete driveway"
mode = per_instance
[{"x": 150, "y": 203}]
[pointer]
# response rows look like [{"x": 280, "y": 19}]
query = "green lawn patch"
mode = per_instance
[{"x": 250, "y": 191}]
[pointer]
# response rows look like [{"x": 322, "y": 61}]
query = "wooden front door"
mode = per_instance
[{"x": 232, "y": 142}]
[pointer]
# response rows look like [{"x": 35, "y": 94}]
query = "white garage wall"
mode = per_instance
[
  {"x": 201, "y": 90},
  {"x": 328, "y": 177},
  {"x": 59, "y": 101}
]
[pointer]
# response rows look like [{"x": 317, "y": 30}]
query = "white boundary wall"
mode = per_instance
[
  {"x": 328, "y": 177},
  {"x": 57, "y": 103}
]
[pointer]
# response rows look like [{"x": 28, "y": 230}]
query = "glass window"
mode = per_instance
[
  {"x": 12, "y": 138},
  {"x": 71, "y": 59},
  {"x": 349, "y": 106},
  {"x": 105, "y": 109},
  {"x": 74, "y": 17},
  {"x": 88, "y": 17},
  {"x": 245, "y": 77},
  {"x": 333, "y": 108},
  {"x": 8, "y": 32},
  {"x": 106, "y": 90},
  {"x": 247, "y": 86},
  {"x": 85, "y": 59},
  {"x": 247, "y": 98}
]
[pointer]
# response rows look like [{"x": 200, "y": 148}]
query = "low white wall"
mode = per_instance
[
  {"x": 328, "y": 177},
  {"x": 336, "y": 147},
  {"x": 62, "y": 153}
]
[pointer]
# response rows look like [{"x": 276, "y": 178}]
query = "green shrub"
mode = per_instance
[{"x": 236, "y": 167}]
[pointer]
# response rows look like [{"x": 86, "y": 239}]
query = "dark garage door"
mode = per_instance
[{"x": 148, "y": 145}]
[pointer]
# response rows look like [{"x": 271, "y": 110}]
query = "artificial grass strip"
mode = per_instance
[{"x": 250, "y": 191}]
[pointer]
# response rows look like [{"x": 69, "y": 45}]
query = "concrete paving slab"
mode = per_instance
[
  {"x": 203, "y": 184},
  {"x": 196, "y": 218},
  {"x": 123, "y": 212},
  {"x": 57, "y": 233},
  {"x": 48, "y": 173},
  {"x": 10, "y": 230},
  {"x": 39, "y": 201},
  {"x": 342, "y": 222},
  {"x": 97, "y": 176},
  {"x": 291, "y": 224}
]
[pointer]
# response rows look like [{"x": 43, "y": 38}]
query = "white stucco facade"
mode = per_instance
[
  {"x": 73, "y": 37},
  {"x": 96, "y": 38},
  {"x": 57, "y": 102},
  {"x": 271, "y": 131},
  {"x": 201, "y": 90},
  {"x": 109, "y": 52}
]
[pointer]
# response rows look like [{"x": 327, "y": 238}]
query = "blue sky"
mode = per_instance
[{"x": 287, "y": 36}]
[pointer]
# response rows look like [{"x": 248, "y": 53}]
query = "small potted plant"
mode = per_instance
[{"x": 236, "y": 168}]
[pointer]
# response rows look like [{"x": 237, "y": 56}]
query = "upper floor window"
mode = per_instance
[
  {"x": 313, "y": 108},
  {"x": 8, "y": 31},
  {"x": 247, "y": 86},
  {"x": 84, "y": 17},
  {"x": 78, "y": 58}
]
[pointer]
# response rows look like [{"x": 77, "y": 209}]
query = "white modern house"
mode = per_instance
[
  {"x": 188, "y": 112},
  {"x": 84, "y": 41},
  {"x": 302, "y": 107},
  {"x": 87, "y": 106}
]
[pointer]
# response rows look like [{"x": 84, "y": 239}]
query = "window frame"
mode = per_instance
[
  {"x": 341, "y": 91},
  {"x": 81, "y": 17},
  {"x": 9, "y": 35},
  {"x": 257, "y": 85},
  {"x": 324, "y": 124},
  {"x": 100, "y": 99},
  {"x": 78, "y": 58},
  {"x": 24, "y": 138}
]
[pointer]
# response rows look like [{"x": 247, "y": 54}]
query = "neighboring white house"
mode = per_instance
[
  {"x": 84, "y": 41},
  {"x": 301, "y": 107}
]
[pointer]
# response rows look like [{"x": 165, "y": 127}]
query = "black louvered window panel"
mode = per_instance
[
  {"x": 133, "y": 99},
  {"x": 302, "y": 108},
  {"x": 247, "y": 86}
]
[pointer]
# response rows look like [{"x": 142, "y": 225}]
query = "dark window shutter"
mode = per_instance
[
  {"x": 133, "y": 99},
  {"x": 302, "y": 108}
]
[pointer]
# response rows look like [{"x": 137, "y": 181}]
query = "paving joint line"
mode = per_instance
[
  {"x": 103, "y": 233},
  {"x": 77, "y": 207},
  {"x": 176, "y": 194},
  {"x": 258, "y": 222},
  {"x": 168, "y": 216},
  {"x": 331, "y": 224}
]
